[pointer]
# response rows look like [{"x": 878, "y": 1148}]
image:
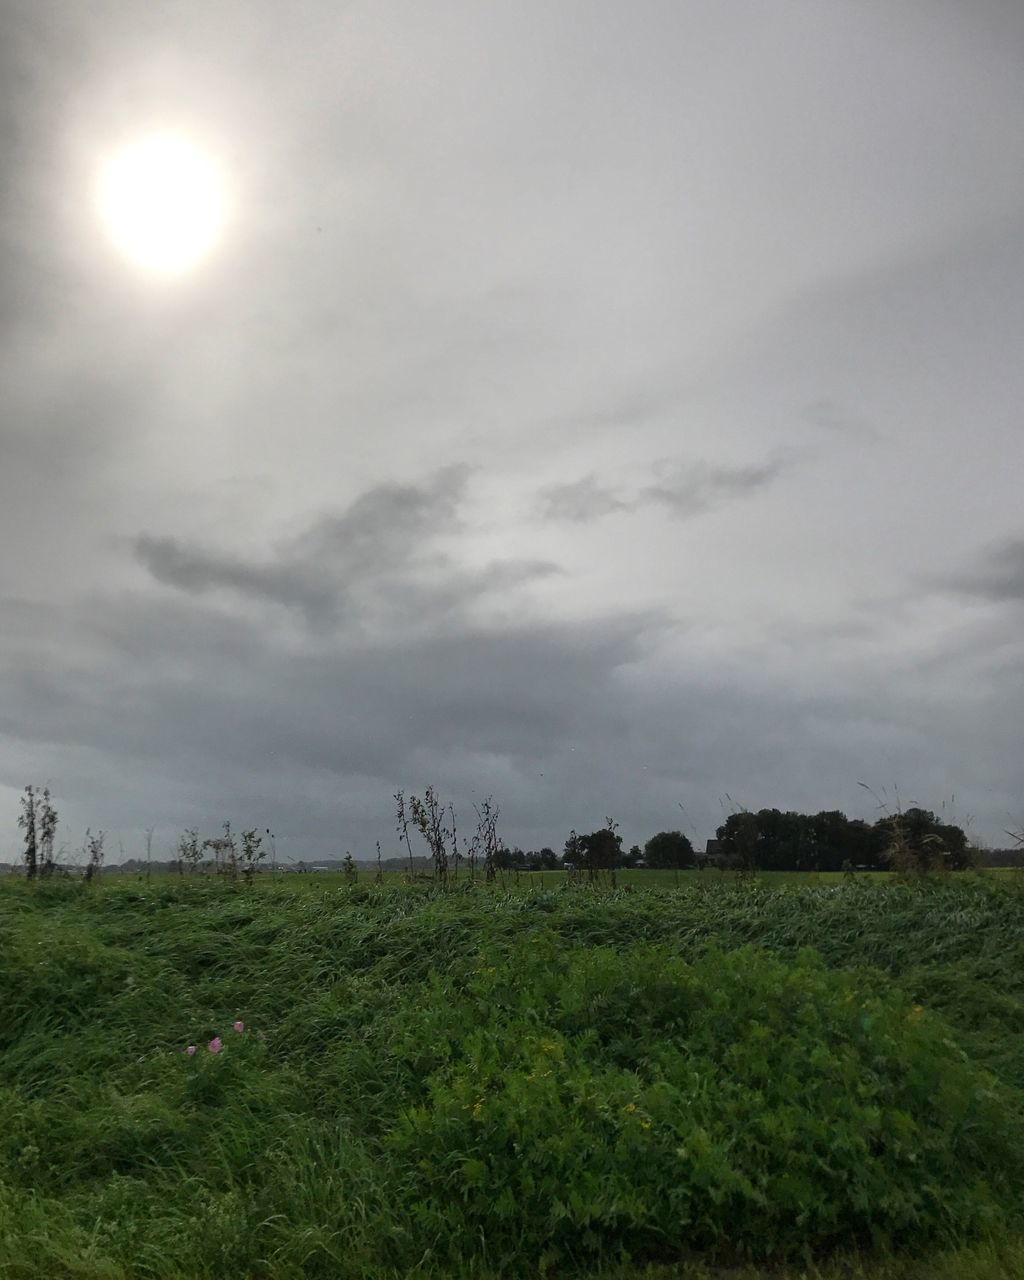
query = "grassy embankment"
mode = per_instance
[{"x": 489, "y": 1082}]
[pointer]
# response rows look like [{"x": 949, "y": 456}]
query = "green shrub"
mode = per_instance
[{"x": 587, "y": 1102}]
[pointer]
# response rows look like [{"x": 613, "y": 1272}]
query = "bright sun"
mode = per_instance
[{"x": 162, "y": 200}]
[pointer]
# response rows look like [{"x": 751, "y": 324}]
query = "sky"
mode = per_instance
[{"x": 614, "y": 409}]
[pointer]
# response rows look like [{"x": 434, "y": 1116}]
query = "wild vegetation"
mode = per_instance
[{"x": 205, "y": 1077}]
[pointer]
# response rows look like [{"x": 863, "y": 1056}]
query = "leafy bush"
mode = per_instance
[{"x": 586, "y": 1102}]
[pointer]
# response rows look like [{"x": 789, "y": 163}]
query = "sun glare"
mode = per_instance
[{"x": 162, "y": 201}]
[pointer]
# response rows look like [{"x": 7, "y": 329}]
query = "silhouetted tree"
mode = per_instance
[
  {"x": 27, "y": 821},
  {"x": 601, "y": 850},
  {"x": 668, "y": 850}
]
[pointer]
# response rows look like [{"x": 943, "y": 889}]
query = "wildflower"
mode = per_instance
[
  {"x": 215, "y": 1045},
  {"x": 645, "y": 1124},
  {"x": 191, "y": 1050},
  {"x": 630, "y": 1106},
  {"x": 239, "y": 1027},
  {"x": 478, "y": 1106}
]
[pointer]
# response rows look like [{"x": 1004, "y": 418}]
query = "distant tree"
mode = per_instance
[
  {"x": 47, "y": 827},
  {"x": 861, "y": 845},
  {"x": 634, "y": 857},
  {"x": 94, "y": 853},
  {"x": 349, "y": 869},
  {"x": 738, "y": 839},
  {"x": 601, "y": 850},
  {"x": 916, "y": 841},
  {"x": 669, "y": 849},
  {"x": 833, "y": 840},
  {"x": 28, "y": 823},
  {"x": 428, "y": 815},
  {"x": 784, "y": 841},
  {"x": 190, "y": 851},
  {"x": 253, "y": 854},
  {"x": 572, "y": 855}
]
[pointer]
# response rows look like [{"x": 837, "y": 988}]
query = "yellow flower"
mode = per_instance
[
  {"x": 630, "y": 1106},
  {"x": 645, "y": 1124}
]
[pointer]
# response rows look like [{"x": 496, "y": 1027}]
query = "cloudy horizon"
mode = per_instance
[{"x": 607, "y": 408}]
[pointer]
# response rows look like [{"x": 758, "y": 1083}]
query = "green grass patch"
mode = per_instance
[{"x": 742, "y": 1079}]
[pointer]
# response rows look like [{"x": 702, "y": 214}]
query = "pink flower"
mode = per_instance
[
  {"x": 215, "y": 1045},
  {"x": 239, "y": 1026},
  {"x": 191, "y": 1050}
]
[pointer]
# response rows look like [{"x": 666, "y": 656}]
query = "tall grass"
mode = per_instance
[{"x": 485, "y": 1082}]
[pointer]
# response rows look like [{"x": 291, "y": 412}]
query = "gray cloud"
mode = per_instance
[
  {"x": 377, "y": 557},
  {"x": 580, "y": 501},
  {"x": 827, "y": 415},
  {"x": 688, "y": 489},
  {"x": 999, "y": 577},
  {"x": 194, "y": 570},
  {"x": 694, "y": 488}
]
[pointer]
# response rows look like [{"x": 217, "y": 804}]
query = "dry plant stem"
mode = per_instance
[{"x": 402, "y": 825}]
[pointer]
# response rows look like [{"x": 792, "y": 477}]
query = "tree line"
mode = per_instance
[{"x": 768, "y": 840}]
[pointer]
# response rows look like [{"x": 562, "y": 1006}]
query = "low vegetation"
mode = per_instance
[{"x": 209, "y": 1077}]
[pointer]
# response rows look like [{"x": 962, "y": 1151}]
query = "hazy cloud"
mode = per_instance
[{"x": 580, "y": 501}]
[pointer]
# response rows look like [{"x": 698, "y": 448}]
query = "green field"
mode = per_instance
[{"x": 733, "y": 1078}]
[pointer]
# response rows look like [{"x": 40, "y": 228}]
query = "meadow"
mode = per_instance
[{"x": 725, "y": 1077}]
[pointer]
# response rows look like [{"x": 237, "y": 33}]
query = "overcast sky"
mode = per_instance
[{"x": 605, "y": 406}]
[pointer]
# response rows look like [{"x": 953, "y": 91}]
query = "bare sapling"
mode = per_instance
[
  {"x": 453, "y": 831},
  {"x": 93, "y": 851},
  {"x": 402, "y": 826},
  {"x": 486, "y": 840},
  {"x": 28, "y": 822},
  {"x": 47, "y": 820},
  {"x": 190, "y": 851},
  {"x": 429, "y": 818},
  {"x": 573, "y": 858},
  {"x": 253, "y": 854},
  {"x": 225, "y": 855}
]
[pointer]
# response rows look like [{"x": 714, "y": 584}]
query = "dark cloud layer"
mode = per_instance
[{"x": 998, "y": 577}]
